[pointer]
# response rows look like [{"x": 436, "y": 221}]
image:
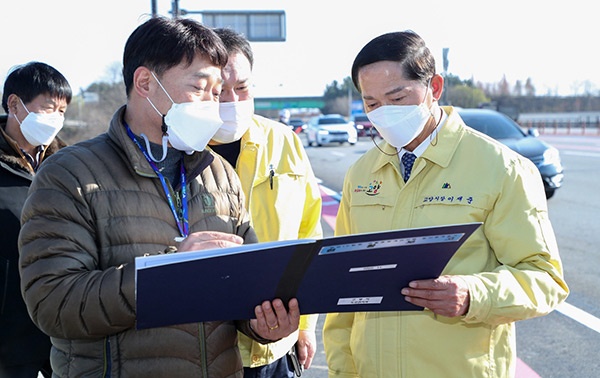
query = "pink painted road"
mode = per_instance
[{"x": 329, "y": 211}]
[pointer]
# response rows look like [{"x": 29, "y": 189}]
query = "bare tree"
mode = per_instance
[
  {"x": 504, "y": 87},
  {"x": 518, "y": 89},
  {"x": 529, "y": 88}
]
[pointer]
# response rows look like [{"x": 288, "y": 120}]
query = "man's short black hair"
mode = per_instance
[
  {"x": 33, "y": 79},
  {"x": 236, "y": 42},
  {"x": 405, "y": 47},
  {"x": 162, "y": 43}
]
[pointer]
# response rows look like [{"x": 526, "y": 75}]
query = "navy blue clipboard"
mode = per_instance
[{"x": 354, "y": 273}]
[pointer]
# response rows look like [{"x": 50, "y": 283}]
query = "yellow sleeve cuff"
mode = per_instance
[{"x": 308, "y": 322}]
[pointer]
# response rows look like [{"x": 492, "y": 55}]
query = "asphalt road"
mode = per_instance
[{"x": 565, "y": 342}]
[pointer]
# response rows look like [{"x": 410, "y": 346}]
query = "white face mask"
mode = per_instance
[
  {"x": 40, "y": 128},
  {"x": 190, "y": 125},
  {"x": 400, "y": 124},
  {"x": 237, "y": 118}
]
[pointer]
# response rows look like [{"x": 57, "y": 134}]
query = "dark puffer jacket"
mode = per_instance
[
  {"x": 21, "y": 342},
  {"x": 93, "y": 208}
]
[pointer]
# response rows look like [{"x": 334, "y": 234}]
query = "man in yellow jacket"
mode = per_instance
[
  {"x": 282, "y": 194},
  {"x": 432, "y": 169}
]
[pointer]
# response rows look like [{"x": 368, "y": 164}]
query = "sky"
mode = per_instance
[{"x": 554, "y": 45}]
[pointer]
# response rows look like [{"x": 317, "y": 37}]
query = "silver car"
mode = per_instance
[{"x": 330, "y": 128}]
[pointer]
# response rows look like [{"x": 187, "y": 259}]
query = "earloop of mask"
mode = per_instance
[
  {"x": 161, "y": 87},
  {"x": 433, "y": 139},
  {"x": 25, "y": 107},
  {"x": 19, "y": 122},
  {"x": 427, "y": 90},
  {"x": 428, "y": 85},
  {"x": 165, "y": 137},
  {"x": 164, "y": 128}
]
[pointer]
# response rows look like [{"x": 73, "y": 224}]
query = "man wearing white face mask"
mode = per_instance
[
  {"x": 432, "y": 169},
  {"x": 35, "y": 98},
  {"x": 282, "y": 194},
  {"x": 147, "y": 186}
]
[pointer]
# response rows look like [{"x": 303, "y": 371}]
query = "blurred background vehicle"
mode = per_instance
[
  {"x": 502, "y": 128},
  {"x": 330, "y": 128},
  {"x": 297, "y": 124},
  {"x": 363, "y": 125},
  {"x": 284, "y": 116}
]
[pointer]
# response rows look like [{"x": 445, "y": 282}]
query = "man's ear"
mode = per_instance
[
  {"x": 12, "y": 102},
  {"x": 142, "y": 78},
  {"x": 437, "y": 86}
]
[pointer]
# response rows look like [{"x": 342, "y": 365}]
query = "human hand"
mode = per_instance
[
  {"x": 273, "y": 321},
  {"x": 306, "y": 347},
  {"x": 209, "y": 240},
  {"x": 445, "y": 295}
]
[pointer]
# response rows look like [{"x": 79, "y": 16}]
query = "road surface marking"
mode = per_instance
[{"x": 579, "y": 316}]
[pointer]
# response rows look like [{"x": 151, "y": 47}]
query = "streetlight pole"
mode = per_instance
[
  {"x": 154, "y": 9},
  {"x": 175, "y": 8}
]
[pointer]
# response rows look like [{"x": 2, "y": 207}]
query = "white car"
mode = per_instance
[{"x": 330, "y": 128}]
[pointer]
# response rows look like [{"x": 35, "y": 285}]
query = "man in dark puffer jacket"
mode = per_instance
[
  {"x": 35, "y": 98},
  {"x": 135, "y": 190}
]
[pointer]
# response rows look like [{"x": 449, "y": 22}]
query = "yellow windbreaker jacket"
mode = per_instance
[
  {"x": 284, "y": 201},
  {"x": 511, "y": 263}
]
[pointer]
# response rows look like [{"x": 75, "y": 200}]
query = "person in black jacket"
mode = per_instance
[{"x": 35, "y": 98}]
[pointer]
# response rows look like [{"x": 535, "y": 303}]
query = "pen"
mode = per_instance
[{"x": 271, "y": 175}]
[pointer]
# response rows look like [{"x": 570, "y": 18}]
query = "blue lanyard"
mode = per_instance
[{"x": 182, "y": 222}]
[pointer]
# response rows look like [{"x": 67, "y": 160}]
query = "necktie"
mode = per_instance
[{"x": 408, "y": 159}]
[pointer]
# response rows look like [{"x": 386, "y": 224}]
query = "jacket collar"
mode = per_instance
[
  {"x": 448, "y": 139},
  {"x": 194, "y": 163},
  {"x": 389, "y": 156},
  {"x": 254, "y": 134}
]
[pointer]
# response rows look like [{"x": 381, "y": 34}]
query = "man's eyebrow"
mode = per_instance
[
  {"x": 52, "y": 101},
  {"x": 204, "y": 75},
  {"x": 393, "y": 91},
  {"x": 201, "y": 74}
]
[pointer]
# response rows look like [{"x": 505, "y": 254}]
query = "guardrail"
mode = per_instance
[{"x": 586, "y": 127}]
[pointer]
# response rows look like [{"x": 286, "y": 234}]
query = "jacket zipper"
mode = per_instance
[
  {"x": 107, "y": 358},
  {"x": 4, "y": 286}
]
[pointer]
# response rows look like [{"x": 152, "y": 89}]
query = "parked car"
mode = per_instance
[
  {"x": 363, "y": 125},
  {"x": 297, "y": 124},
  {"x": 330, "y": 128},
  {"x": 502, "y": 128}
]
